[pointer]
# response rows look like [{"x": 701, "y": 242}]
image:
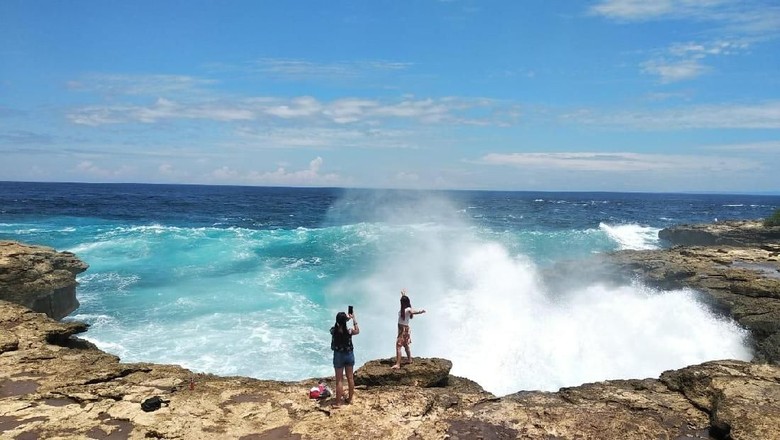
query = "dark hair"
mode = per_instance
[
  {"x": 341, "y": 322},
  {"x": 340, "y": 334},
  {"x": 405, "y": 303}
]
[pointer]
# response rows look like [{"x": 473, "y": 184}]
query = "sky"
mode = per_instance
[{"x": 536, "y": 95}]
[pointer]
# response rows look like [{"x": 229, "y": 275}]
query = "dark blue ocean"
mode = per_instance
[{"x": 247, "y": 280}]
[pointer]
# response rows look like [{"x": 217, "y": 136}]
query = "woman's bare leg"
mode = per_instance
[
  {"x": 339, "y": 390},
  {"x": 408, "y": 353},
  {"x": 397, "y": 357},
  {"x": 350, "y": 382}
]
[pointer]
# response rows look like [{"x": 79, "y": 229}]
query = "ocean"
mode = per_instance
[{"x": 247, "y": 280}]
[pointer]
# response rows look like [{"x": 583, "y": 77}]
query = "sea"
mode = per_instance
[{"x": 247, "y": 281}]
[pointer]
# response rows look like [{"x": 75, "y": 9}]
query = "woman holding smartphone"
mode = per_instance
[{"x": 343, "y": 354}]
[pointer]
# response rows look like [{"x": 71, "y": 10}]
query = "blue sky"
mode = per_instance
[{"x": 607, "y": 95}]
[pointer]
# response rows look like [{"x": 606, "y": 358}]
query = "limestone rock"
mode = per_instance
[
  {"x": 741, "y": 282},
  {"x": 728, "y": 233},
  {"x": 54, "y": 385},
  {"x": 68, "y": 390},
  {"x": 39, "y": 278},
  {"x": 734, "y": 394},
  {"x": 423, "y": 372}
]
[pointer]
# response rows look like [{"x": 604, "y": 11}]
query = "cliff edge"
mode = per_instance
[
  {"x": 39, "y": 278},
  {"x": 54, "y": 385},
  {"x": 740, "y": 279}
]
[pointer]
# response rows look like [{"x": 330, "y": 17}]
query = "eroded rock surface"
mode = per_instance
[
  {"x": 39, "y": 278},
  {"x": 56, "y": 386},
  {"x": 52, "y": 386},
  {"x": 422, "y": 372},
  {"x": 729, "y": 233},
  {"x": 741, "y": 282}
]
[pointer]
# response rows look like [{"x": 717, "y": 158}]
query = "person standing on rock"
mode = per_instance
[
  {"x": 343, "y": 354},
  {"x": 404, "y": 337}
]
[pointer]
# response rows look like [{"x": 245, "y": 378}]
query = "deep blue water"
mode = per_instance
[{"x": 246, "y": 280}]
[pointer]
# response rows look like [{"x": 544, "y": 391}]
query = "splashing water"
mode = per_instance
[{"x": 231, "y": 297}]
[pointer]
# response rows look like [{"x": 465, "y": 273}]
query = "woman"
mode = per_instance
[
  {"x": 404, "y": 338},
  {"x": 343, "y": 355}
]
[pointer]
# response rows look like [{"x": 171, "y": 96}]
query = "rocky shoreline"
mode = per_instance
[{"x": 56, "y": 386}]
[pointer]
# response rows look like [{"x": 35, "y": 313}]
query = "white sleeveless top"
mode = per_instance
[{"x": 404, "y": 319}]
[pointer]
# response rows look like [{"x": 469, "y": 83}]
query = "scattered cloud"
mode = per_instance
[
  {"x": 738, "y": 11},
  {"x": 447, "y": 110},
  {"x": 310, "y": 176},
  {"x": 767, "y": 147},
  {"x": 744, "y": 22},
  {"x": 141, "y": 85},
  {"x": 672, "y": 71},
  {"x": 323, "y": 137},
  {"x": 296, "y": 69},
  {"x": 407, "y": 177},
  {"x": 21, "y": 137},
  {"x": 618, "y": 162},
  {"x": 91, "y": 169},
  {"x": 757, "y": 116},
  {"x": 161, "y": 110}
]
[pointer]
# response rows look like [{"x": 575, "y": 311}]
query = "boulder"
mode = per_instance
[
  {"x": 728, "y": 233},
  {"x": 39, "y": 278},
  {"x": 423, "y": 373}
]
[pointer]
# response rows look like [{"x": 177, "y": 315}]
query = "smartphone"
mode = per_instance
[{"x": 349, "y": 310}]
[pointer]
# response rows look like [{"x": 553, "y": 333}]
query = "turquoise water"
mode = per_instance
[{"x": 247, "y": 281}]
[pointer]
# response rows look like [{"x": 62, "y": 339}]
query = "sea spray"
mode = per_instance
[
  {"x": 238, "y": 280},
  {"x": 490, "y": 313}
]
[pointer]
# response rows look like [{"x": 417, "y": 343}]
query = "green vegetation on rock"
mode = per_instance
[{"x": 774, "y": 219}]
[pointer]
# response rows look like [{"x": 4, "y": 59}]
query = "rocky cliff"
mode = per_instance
[
  {"x": 729, "y": 233},
  {"x": 742, "y": 279},
  {"x": 56, "y": 386},
  {"x": 39, "y": 278}
]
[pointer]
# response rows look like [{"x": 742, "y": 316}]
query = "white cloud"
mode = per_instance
[
  {"x": 448, "y": 110},
  {"x": 768, "y": 147},
  {"x": 91, "y": 169},
  {"x": 644, "y": 10},
  {"x": 732, "y": 27},
  {"x": 310, "y": 176},
  {"x": 758, "y": 116},
  {"x": 295, "y": 69},
  {"x": 672, "y": 71},
  {"x": 756, "y": 19},
  {"x": 322, "y": 137},
  {"x": 407, "y": 177},
  {"x": 124, "y": 84},
  {"x": 618, "y": 162},
  {"x": 301, "y": 107},
  {"x": 161, "y": 110}
]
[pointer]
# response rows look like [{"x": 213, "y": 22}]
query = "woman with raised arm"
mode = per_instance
[
  {"x": 343, "y": 354},
  {"x": 404, "y": 337}
]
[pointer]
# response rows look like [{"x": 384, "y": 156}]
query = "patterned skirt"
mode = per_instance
[{"x": 404, "y": 335}]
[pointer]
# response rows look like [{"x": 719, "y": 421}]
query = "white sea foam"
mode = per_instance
[
  {"x": 259, "y": 303},
  {"x": 632, "y": 236},
  {"x": 491, "y": 315}
]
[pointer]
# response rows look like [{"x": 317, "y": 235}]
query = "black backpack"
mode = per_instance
[{"x": 153, "y": 403}]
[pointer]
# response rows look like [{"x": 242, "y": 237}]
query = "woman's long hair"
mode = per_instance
[
  {"x": 341, "y": 323},
  {"x": 405, "y": 304},
  {"x": 340, "y": 334}
]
